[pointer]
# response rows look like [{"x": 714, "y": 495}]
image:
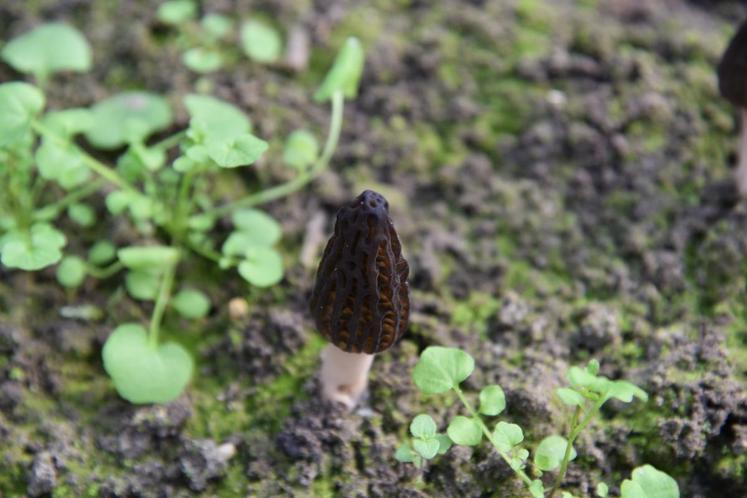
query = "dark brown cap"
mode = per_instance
[
  {"x": 732, "y": 70},
  {"x": 360, "y": 300}
]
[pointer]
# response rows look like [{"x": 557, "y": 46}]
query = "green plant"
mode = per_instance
[
  {"x": 163, "y": 188},
  {"x": 441, "y": 370}
]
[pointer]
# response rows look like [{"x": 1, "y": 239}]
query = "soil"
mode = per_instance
[{"x": 560, "y": 177}]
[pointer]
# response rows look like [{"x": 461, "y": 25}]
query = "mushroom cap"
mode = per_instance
[
  {"x": 732, "y": 69},
  {"x": 360, "y": 301}
]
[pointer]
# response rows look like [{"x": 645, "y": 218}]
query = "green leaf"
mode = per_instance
[
  {"x": 261, "y": 42},
  {"x": 151, "y": 258},
  {"x": 492, "y": 400},
  {"x": 625, "y": 391},
  {"x": 262, "y": 266},
  {"x": 69, "y": 122},
  {"x": 143, "y": 285},
  {"x": 151, "y": 158},
  {"x": 260, "y": 227},
  {"x": 62, "y": 164},
  {"x": 579, "y": 377},
  {"x": 143, "y": 373},
  {"x": 183, "y": 164},
  {"x": 464, "y": 431},
  {"x": 593, "y": 366},
  {"x": 301, "y": 150},
  {"x": 217, "y": 25},
  {"x": 444, "y": 443},
  {"x": 237, "y": 151},
  {"x": 440, "y": 369},
  {"x": 405, "y": 454},
  {"x": 47, "y": 49},
  {"x": 201, "y": 222},
  {"x": 649, "y": 482},
  {"x": 37, "y": 249},
  {"x": 191, "y": 303},
  {"x": 549, "y": 453},
  {"x": 127, "y": 118},
  {"x": 102, "y": 252},
  {"x": 345, "y": 73},
  {"x": 602, "y": 490},
  {"x": 426, "y": 448},
  {"x": 176, "y": 12},
  {"x": 423, "y": 426},
  {"x": 215, "y": 118},
  {"x": 570, "y": 397},
  {"x": 202, "y": 60},
  {"x": 19, "y": 104},
  {"x": 537, "y": 489},
  {"x": 82, "y": 214},
  {"x": 506, "y": 436},
  {"x": 71, "y": 271},
  {"x": 117, "y": 201}
]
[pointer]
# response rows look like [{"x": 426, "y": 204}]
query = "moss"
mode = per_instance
[{"x": 474, "y": 312}]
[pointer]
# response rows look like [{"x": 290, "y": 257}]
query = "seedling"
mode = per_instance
[
  {"x": 163, "y": 188},
  {"x": 441, "y": 370},
  {"x": 361, "y": 299}
]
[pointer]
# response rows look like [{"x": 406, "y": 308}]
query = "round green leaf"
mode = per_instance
[
  {"x": 423, "y": 426},
  {"x": 202, "y": 60},
  {"x": 148, "y": 257},
  {"x": 444, "y": 443},
  {"x": 240, "y": 150},
  {"x": 143, "y": 373},
  {"x": 191, "y": 303},
  {"x": 426, "y": 448},
  {"x": 262, "y": 267},
  {"x": 259, "y": 226},
  {"x": 102, "y": 252},
  {"x": 47, "y": 49},
  {"x": 301, "y": 150},
  {"x": 625, "y": 391},
  {"x": 82, "y": 214},
  {"x": 128, "y": 117},
  {"x": 176, "y": 11},
  {"x": 345, "y": 74},
  {"x": 37, "y": 249},
  {"x": 405, "y": 454},
  {"x": 216, "y": 118},
  {"x": 261, "y": 42},
  {"x": 492, "y": 400},
  {"x": 602, "y": 490},
  {"x": 549, "y": 453},
  {"x": 569, "y": 396},
  {"x": 440, "y": 369},
  {"x": 649, "y": 482},
  {"x": 61, "y": 163},
  {"x": 464, "y": 431},
  {"x": 142, "y": 285},
  {"x": 19, "y": 103},
  {"x": 71, "y": 271},
  {"x": 217, "y": 25},
  {"x": 506, "y": 436}
]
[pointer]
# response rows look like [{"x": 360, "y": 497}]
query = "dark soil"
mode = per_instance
[{"x": 559, "y": 174}]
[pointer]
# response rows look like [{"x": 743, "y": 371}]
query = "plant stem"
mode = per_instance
[
  {"x": 270, "y": 194},
  {"x": 163, "y": 298},
  {"x": 70, "y": 198},
  {"x": 522, "y": 475},
  {"x": 106, "y": 272},
  {"x": 575, "y": 430},
  {"x": 92, "y": 163},
  {"x": 170, "y": 141}
]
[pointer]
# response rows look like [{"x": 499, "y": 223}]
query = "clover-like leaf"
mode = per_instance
[
  {"x": 33, "y": 250},
  {"x": 444, "y": 443},
  {"x": 236, "y": 151},
  {"x": 426, "y": 448},
  {"x": 345, "y": 74},
  {"x": 260, "y": 41},
  {"x": 217, "y": 25},
  {"x": 143, "y": 372},
  {"x": 127, "y": 118},
  {"x": 176, "y": 12},
  {"x": 19, "y": 104},
  {"x": 549, "y": 453},
  {"x": 47, "y": 49},
  {"x": 465, "y": 431},
  {"x": 406, "y": 454},
  {"x": 301, "y": 150},
  {"x": 216, "y": 118},
  {"x": 602, "y": 490},
  {"x": 143, "y": 285},
  {"x": 506, "y": 436},
  {"x": 61, "y": 163},
  {"x": 262, "y": 266},
  {"x": 191, "y": 303},
  {"x": 261, "y": 228},
  {"x": 649, "y": 482},
  {"x": 492, "y": 400},
  {"x": 423, "y": 426},
  {"x": 440, "y": 369}
]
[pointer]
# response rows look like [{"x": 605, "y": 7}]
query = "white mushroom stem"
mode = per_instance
[
  {"x": 344, "y": 375},
  {"x": 740, "y": 174}
]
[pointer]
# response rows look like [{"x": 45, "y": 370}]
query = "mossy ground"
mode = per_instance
[{"x": 559, "y": 174}]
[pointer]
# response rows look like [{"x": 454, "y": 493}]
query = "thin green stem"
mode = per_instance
[
  {"x": 164, "y": 294},
  {"x": 170, "y": 141},
  {"x": 522, "y": 475},
  {"x": 92, "y": 163},
  {"x": 335, "y": 128},
  {"x": 106, "y": 272},
  {"x": 71, "y": 198}
]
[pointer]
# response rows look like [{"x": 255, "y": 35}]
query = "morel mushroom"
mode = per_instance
[
  {"x": 360, "y": 301},
  {"x": 732, "y": 84}
]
